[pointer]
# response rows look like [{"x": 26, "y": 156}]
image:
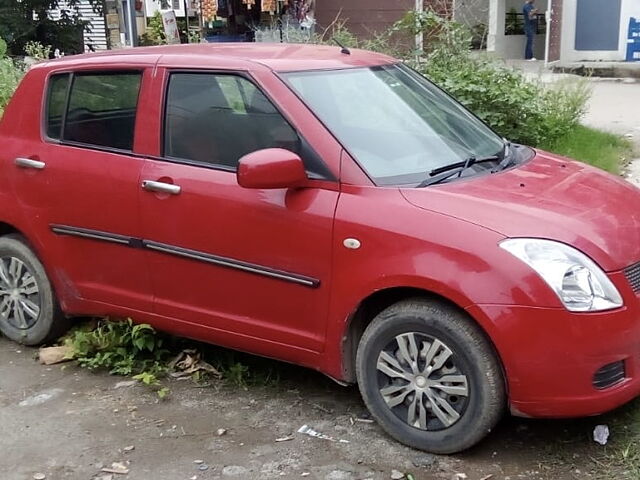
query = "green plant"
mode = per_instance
[
  {"x": 154, "y": 34},
  {"x": 37, "y": 50},
  {"x": 151, "y": 380},
  {"x": 31, "y": 20},
  {"x": 10, "y": 76},
  {"x": 601, "y": 149},
  {"x": 237, "y": 374},
  {"x": 120, "y": 347},
  {"x": 516, "y": 108},
  {"x": 442, "y": 36}
]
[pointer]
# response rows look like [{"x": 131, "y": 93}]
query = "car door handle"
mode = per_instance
[
  {"x": 162, "y": 187},
  {"x": 29, "y": 163}
]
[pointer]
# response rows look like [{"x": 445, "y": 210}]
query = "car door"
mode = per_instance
[
  {"x": 78, "y": 187},
  {"x": 247, "y": 264}
]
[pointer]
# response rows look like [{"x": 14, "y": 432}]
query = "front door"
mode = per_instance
[
  {"x": 251, "y": 266},
  {"x": 79, "y": 188}
]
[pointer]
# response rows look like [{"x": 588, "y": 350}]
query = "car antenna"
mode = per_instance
[{"x": 344, "y": 50}]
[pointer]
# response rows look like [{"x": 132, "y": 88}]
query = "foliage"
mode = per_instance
[
  {"x": 154, "y": 35},
  {"x": 29, "y": 20},
  {"x": 601, "y": 149},
  {"x": 37, "y": 50},
  {"x": 441, "y": 35},
  {"x": 151, "y": 380},
  {"x": 122, "y": 348},
  {"x": 516, "y": 108},
  {"x": 237, "y": 374},
  {"x": 10, "y": 75}
]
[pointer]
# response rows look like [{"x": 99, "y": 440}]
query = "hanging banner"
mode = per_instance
[{"x": 170, "y": 27}]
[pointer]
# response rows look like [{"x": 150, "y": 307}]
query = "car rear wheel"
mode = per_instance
[
  {"x": 430, "y": 377},
  {"x": 29, "y": 311}
]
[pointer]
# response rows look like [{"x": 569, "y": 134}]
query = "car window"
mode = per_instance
[
  {"x": 101, "y": 109},
  {"x": 56, "y": 99},
  {"x": 217, "y": 119}
]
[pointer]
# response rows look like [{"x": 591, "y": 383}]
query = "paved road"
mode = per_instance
[{"x": 615, "y": 106}]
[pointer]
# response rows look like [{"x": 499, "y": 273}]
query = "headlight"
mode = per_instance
[{"x": 580, "y": 284}]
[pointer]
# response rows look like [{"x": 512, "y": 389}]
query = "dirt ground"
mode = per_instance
[{"x": 68, "y": 423}]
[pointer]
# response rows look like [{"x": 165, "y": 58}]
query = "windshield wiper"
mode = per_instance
[
  {"x": 465, "y": 163},
  {"x": 507, "y": 158},
  {"x": 440, "y": 174}
]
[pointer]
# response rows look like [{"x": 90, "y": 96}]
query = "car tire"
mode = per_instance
[
  {"x": 29, "y": 311},
  {"x": 430, "y": 377}
]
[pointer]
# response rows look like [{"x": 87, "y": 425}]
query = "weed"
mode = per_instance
[
  {"x": 237, "y": 374},
  {"x": 122, "y": 348}
]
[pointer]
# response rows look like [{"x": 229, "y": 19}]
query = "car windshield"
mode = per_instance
[{"x": 396, "y": 124}]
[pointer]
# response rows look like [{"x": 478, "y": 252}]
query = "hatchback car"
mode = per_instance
[{"x": 329, "y": 208}]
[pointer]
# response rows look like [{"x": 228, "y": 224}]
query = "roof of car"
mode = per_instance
[{"x": 275, "y": 56}]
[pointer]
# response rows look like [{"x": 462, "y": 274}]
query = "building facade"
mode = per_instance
[{"x": 570, "y": 31}]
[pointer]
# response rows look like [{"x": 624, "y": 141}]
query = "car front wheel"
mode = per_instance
[{"x": 430, "y": 377}]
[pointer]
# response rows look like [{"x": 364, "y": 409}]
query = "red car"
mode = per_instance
[{"x": 328, "y": 208}]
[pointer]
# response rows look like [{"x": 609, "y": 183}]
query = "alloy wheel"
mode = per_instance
[
  {"x": 421, "y": 383},
  {"x": 19, "y": 294}
]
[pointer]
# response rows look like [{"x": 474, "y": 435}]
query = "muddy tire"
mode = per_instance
[
  {"x": 29, "y": 310},
  {"x": 430, "y": 377}
]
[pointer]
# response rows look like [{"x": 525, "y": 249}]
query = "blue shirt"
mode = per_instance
[{"x": 529, "y": 23}]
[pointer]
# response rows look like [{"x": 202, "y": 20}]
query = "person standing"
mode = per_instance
[{"x": 530, "y": 24}]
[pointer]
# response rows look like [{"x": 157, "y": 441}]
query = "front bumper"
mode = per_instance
[{"x": 550, "y": 355}]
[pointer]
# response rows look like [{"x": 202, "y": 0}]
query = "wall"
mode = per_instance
[
  {"x": 630, "y": 8},
  {"x": 511, "y": 46},
  {"x": 364, "y": 17}
]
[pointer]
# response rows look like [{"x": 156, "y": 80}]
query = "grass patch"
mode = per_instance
[
  {"x": 122, "y": 347},
  {"x": 604, "y": 150}
]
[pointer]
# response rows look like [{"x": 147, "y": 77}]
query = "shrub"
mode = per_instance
[
  {"x": 37, "y": 50},
  {"x": 154, "y": 35},
  {"x": 122, "y": 348},
  {"x": 516, "y": 108},
  {"x": 10, "y": 75}
]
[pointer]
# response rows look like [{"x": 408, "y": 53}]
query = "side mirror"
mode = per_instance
[{"x": 271, "y": 168}]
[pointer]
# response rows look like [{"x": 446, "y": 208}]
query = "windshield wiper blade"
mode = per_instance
[
  {"x": 441, "y": 177},
  {"x": 440, "y": 174},
  {"x": 465, "y": 163}
]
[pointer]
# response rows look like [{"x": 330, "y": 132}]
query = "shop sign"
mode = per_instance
[{"x": 170, "y": 27}]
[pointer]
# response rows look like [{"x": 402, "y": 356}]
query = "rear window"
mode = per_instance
[
  {"x": 57, "y": 98},
  {"x": 99, "y": 109}
]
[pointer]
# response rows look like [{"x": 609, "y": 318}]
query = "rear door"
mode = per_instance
[
  {"x": 79, "y": 186},
  {"x": 248, "y": 264}
]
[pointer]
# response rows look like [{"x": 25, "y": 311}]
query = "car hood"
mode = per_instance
[{"x": 548, "y": 197}]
